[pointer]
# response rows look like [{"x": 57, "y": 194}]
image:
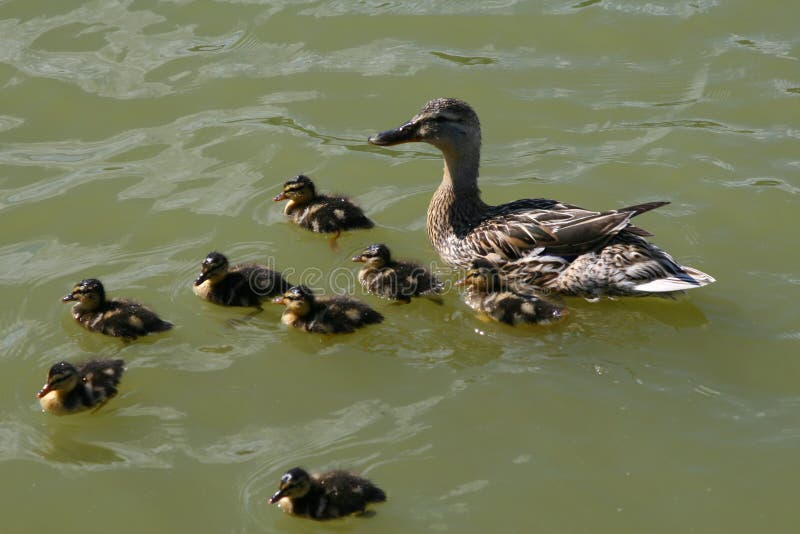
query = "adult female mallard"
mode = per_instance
[
  {"x": 325, "y": 496},
  {"x": 240, "y": 285},
  {"x": 117, "y": 317},
  {"x": 72, "y": 389},
  {"x": 489, "y": 294},
  {"x": 324, "y": 315},
  {"x": 392, "y": 279},
  {"x": 594, "y": 252},
  {"x": 320, "y": 213}
]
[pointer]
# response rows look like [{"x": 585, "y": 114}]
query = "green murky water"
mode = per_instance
[{"x": 135, "y": 136}]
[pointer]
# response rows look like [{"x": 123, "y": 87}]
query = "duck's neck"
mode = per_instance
[{"x": 456, "y": 206}]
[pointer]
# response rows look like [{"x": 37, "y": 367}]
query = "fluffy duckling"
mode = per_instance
[
  {"x": 240, "y": 285},
  {"x": 70, "y": 389},
  {"x": 325, "y": 496},
  {"x": 324, "y": 315},
  {"x": 490, "y": 294},
  {"x": 320, "y": 213},
  {"x": 391, "y": 279},
  {"x": 117, "y": 317}
]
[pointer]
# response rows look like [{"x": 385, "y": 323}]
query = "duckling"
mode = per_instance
[
  {"x": 70, "y": 389},
  {"x": 325, "y": 496},
  {"x": 324, "y": 315},
  {"x": 117, "y": 317},
  {"x": 320, "y": 213},
  {"x": 240, "y": 285},
  {"x": 490, "y": 294},
  {"x": 391, "y": 279}
]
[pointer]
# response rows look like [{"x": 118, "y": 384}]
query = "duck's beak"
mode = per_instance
[
  {"x": 359, "y": 258},
  {"x": 405, "y": 133},
  {"x": 67, "y": 298},
  {"x": 279, "y": 300},
  {"x": 280, "y": 196},
  {"x": 44, "y": 391},
  {"x": 200, "y": 279},
  {"x": 275, "y": 497}
]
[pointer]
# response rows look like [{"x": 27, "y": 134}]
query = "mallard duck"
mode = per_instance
[
  {"x": 240, "y": 285},
  {"x": 70, "y": 389},
  {"x": 391, "y": 279},
  {"x": 320, "y": 213},
  {"x": 324, "y": 315},
  {"x": 117, "y": 317},
  {"x": 489, "y": 294},
  {"x": 325, "y": 496},
  {"x": 598, "y": 252}
]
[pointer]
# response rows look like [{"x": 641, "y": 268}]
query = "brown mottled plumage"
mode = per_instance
[
  {"x": 117, "y": 317},
  {"x": 325, "y": 496},
  {"x": 462, "y": 227},
  {"x": 324, "y": 315},
  {"x": 488, "y": 293},
  {"x": 240, "y": 285},
  {"x": 320, "y": 213},
  {"x": 392, "y": 279},
  {"x": 72, "y": 389}
]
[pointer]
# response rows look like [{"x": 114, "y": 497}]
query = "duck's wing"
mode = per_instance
[{"x": 514, "y": 229}]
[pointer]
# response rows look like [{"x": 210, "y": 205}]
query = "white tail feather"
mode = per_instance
[{"x": 693, "y": 279}]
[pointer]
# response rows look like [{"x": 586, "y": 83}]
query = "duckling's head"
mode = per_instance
[
  {"x": 374, "y": 255},
  {"x": 213, "y": 268},
  {"x": 446, "y": 123},
  {"x": 482, "y": 276},
  {"x": 89, "y": 293},
  {"x": 62, "y": 377},
  {"x": 299, "y": 190},
  {"x": 298, "y": 300},
  {"x": 294, "y": 483}
]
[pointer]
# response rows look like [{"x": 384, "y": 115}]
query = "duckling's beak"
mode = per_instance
[
  {"x": 405, "y": 133},
  {"x": 276, "y": 497},
  {"x": 44, "y": 391},
  {"x": 460, "y": 282},
  {"x": 200, "y": 279},
  {"x": 279, "y": 300},
  {"x": 280, "y": 196},
  {"x": 359, "y": 258},
  {"x": 67, "y": 298}
]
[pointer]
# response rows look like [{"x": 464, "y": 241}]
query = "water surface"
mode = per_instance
[{"x": 136, "y": 136}]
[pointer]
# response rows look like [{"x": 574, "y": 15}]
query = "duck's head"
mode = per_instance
[
  {"x": 374, "y": 255},
  {"x": 294, "y": 483},
  {"x": 446, "y": 123},
  {"x": 62, "y": 377},
  {"x": 89, "y": 293},
  {"x": 299, "y": 189},
  {"x": 298, "y": 300},
  {"x": 482, "y": 276},
  {"x": 213, "y": 267}
]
